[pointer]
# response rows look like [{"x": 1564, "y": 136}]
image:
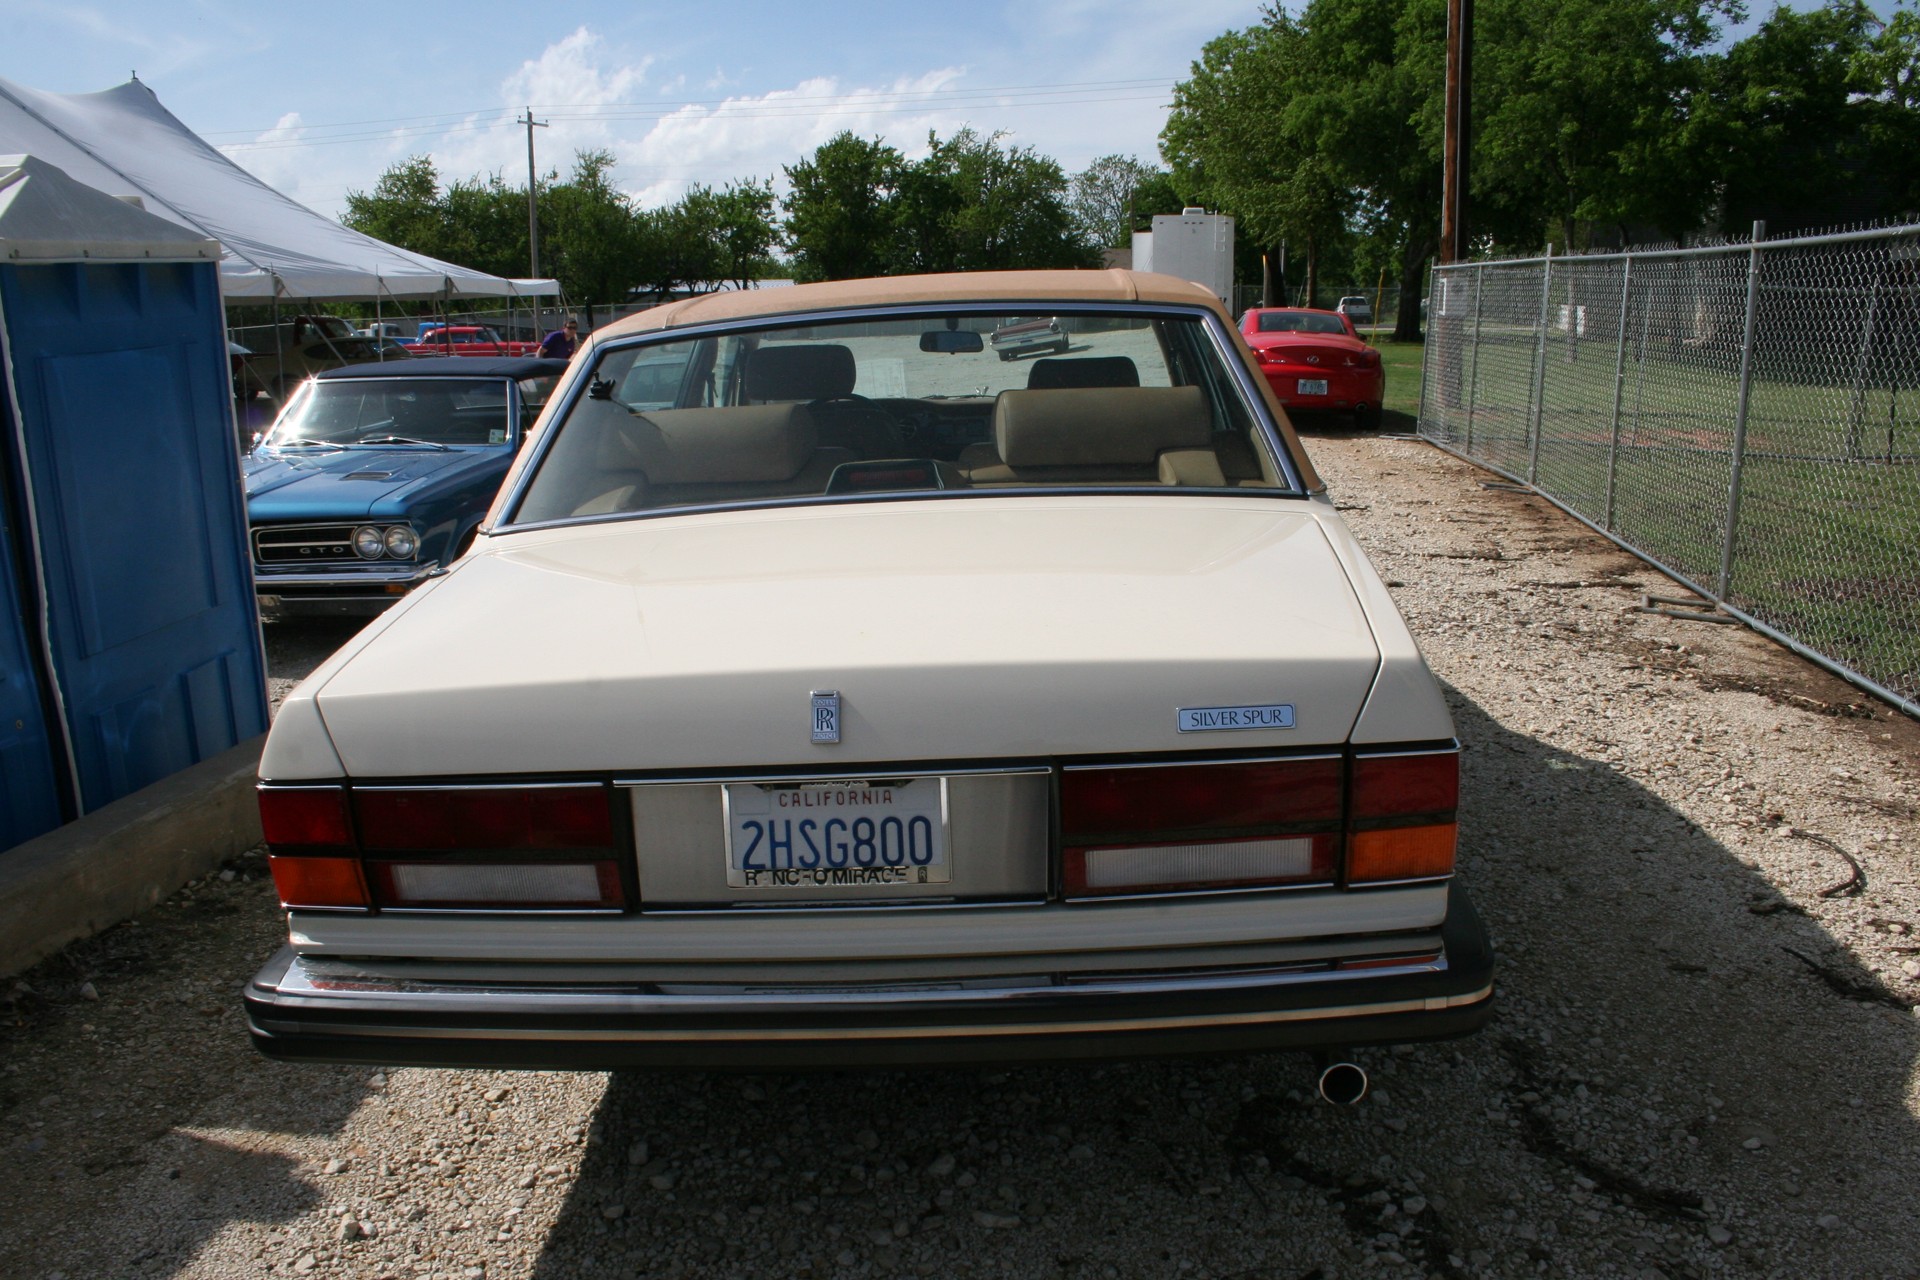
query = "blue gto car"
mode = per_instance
[{"x": 377, "y": 475}]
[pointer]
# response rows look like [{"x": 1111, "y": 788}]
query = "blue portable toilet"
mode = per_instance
[{"x": 129, "y": 643}]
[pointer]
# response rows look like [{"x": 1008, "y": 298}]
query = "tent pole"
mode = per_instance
[{"x": 380, "y": 349}]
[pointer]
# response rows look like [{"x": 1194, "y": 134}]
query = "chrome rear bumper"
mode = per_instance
[{"x": 312, "y": 1010}]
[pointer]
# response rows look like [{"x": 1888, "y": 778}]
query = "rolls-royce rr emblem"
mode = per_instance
[{"x": 826, "y": 715}]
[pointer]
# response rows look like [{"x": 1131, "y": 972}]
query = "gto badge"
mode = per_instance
[{"x": 826, "y": 715}]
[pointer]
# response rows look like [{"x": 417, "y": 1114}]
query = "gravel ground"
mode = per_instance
[{"x": 1702, "y": 1063}]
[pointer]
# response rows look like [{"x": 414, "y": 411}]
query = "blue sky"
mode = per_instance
[{"x": 319, "y": 100}]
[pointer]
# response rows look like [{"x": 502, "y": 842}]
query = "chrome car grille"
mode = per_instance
[{"x": 305, "y": 544}]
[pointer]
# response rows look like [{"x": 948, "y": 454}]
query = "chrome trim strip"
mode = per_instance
[
  {"x": 1318, "y": 753},
  {"x": 482, "y": 786},
  {"x": 265, "y": 578},
  {"x": 1164, "y": 895},
  {"x": 844, "y": 775}
]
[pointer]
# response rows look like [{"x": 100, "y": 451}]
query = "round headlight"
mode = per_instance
[
  {"x": 368, "y": 542},
  {"x": 401, "y": 544}
]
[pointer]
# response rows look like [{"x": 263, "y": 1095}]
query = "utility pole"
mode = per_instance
[
  {"x": 1458, "y": 116},
  {"x": 533, "y": 209}
]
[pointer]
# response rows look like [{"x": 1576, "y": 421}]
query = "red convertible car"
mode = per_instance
[
  {"x": 469, "y": 340},
  {"x": 1315, "y": 360}
]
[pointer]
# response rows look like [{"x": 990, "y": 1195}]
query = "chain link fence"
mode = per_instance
[{"x": 1747, "y": 417}]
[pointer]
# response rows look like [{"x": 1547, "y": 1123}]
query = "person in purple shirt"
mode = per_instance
[{"x": 561, "y": 343}]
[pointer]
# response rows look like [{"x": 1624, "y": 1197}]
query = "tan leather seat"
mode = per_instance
[{"x": 1093, "y": 435}]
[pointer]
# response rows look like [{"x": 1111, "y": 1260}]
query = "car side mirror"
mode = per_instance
[{"x": 951, "y": 341}]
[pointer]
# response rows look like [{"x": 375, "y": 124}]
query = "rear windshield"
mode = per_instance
[
  {"x": 901, "y": 405},
  {"x": 1299, "y": 322}
]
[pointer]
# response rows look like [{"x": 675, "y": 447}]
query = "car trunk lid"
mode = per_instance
[{"x": 975, "y": 629}]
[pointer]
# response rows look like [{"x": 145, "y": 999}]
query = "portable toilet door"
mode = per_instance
[{"x": 113, "y": 334}]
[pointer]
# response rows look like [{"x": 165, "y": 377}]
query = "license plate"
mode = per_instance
[
  {"x": 1311, "y": 387},
  {"x": 829, "y": 835}
]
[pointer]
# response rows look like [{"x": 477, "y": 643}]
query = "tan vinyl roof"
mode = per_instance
[{"x": 888, "y": 291}]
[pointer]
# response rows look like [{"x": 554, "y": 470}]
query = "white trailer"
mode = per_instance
[{"x": 1192, "y": 244}]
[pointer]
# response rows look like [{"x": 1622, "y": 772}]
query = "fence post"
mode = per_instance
[
  {"x": 1473, "y": 365},
  {"x": 1619, "y": 387},
  {"x": 1740, "y": 412},
  {"x": 1429, "y": 353},
  {"x": 1540, "y": 369},
  {"x": 1859, "y": 411}
]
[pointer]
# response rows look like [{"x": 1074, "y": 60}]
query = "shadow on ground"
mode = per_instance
[{"x": 1664, "y": 1062}]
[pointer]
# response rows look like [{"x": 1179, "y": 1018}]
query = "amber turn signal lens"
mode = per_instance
[
  {"x": 331, "y": 883},
  {"x": 1401, "y": 853}
]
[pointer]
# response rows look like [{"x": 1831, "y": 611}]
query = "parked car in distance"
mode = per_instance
[
  {"x": 375, "y": 477},
  {"x": 1314, "y": 360},
  {"x": 293, "y": 351},
  {"x": 1024, "y": 337},
  {"x": 1356, "y": 309},
  {"x": 469, "y": 340},
  {"x": 821, "y": 691},
  {"x": 384, "y": 329}
]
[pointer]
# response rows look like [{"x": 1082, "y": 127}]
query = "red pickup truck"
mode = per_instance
[{"x": 469, "y": 340}]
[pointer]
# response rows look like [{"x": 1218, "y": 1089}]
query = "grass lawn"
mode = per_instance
[
  {"x": 1829, "y": 514},
  {"x": 1403, "y": 361}
]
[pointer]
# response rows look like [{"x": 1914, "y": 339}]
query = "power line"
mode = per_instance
[{"x": 885, "y": 102}]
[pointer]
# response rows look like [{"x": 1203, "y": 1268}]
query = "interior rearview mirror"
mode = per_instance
[{"x": 951, "y": 341}]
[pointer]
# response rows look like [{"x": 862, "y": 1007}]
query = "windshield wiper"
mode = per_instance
[
  {"x": 301, "y": 444},
  {"x": 424, "y": 444}
]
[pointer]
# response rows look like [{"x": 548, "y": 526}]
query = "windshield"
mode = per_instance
[
  {"x": 901, "y": 404},
  {"x": 1300, "y": 322},
  {"x": 385, "y": 411}
]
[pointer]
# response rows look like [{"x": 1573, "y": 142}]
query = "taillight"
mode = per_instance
[
  {"x": 560, "y": 817},
  {"x": 305, "y": 818},
  {"x": 1200, "y": 826},
  {"x": 1402, "y": 816},
  {"x": 310, "y": 848},
  {"x": 1252, "y": 824},
  {"x": 480, "y": 848}
]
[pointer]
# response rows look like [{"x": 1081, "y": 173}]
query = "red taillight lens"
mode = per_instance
[
  {"x": 1199, "y": 826},
  {"x": 305, "y": 817},
  {"x": 1403, "y": 816},
  {"x": 567, "y": 817}
]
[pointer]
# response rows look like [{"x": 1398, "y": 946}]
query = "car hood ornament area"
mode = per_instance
[{"x": 826, "y": 715}]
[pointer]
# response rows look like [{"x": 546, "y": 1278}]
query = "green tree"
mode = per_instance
[
  {"x": 1104, "y": 198},
  {"x": 1010, "y": 206},
  {"x": 839, "y": 211},
  {"x": 591, "y": 233},
  {"x": 404, "y": 208},
  {"x": 1241, "y": 137},
  {"x": 740, "y": 219}
]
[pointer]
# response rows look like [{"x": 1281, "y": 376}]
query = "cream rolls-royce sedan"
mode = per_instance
[{"x": 823, "y": 690}]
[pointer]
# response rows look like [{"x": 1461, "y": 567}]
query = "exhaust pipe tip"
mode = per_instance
[{"x": 1343, "y": 1083}]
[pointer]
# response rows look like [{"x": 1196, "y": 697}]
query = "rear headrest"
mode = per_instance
[
  {"x": 1086, "y": 371},
  {"x": 814, "y": 371},
  {"x": 1098, "y": 426},
  {"x": 740, "y": 444}
]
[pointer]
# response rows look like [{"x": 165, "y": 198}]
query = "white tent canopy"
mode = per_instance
[{"x": 123, "y": 142}]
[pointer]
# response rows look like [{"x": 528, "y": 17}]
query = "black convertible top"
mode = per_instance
[{"x": 450, "y": 367}]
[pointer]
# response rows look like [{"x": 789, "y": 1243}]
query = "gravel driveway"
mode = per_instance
[{"x": 1702, "y": 1063}]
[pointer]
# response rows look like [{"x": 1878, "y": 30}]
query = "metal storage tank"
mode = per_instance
[{"x": 129, "y": 643}]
